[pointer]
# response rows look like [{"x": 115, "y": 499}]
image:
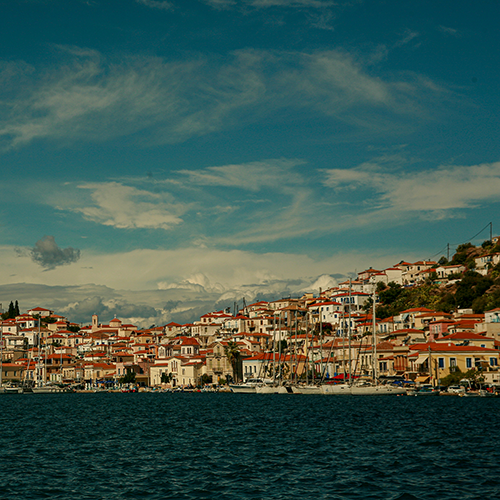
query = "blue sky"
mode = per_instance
[{"x": 162, "y": 158}]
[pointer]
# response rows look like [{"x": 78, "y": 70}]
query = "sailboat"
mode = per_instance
[
  {"x": 9, "y": 389},
  {"x": 41, "y": 386},
  {"x": 345, "y": 387},
  {"x": 276, "y": 385},
  {"x": 375, "y": 388}
]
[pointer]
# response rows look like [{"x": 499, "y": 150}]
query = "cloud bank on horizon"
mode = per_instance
[{"x": 183, "y": 156}]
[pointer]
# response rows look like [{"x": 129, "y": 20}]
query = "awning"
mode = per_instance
[
  {"x": 421, "y": 359},
  {"x": 422, "y": 379}
]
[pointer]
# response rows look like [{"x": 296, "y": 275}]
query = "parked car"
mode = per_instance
[{"x": 456, "y": 389}]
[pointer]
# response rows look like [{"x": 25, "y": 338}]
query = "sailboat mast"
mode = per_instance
[
  {"x": 296, "y": 353},
  {"x": 279, "y": 356},
  {"x": 274, "y": 350},
  {"x": 349, "y": 333},
  {"x": 307, "y": 352},
  {"x": 374, "y": 337},
  {"x": 1, "y": 357},
  {"x": 320, "y": 344}
]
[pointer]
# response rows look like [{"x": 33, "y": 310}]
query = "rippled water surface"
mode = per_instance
[{"x": 245, "y": 446}]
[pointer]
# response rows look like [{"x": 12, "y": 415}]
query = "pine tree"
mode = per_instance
[
  {"x": 11, "y": 313},
  {"x": 16, "y": 309}
]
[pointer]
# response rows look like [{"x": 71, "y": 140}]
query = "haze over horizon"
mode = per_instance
[{"x": 161, "y": 159}]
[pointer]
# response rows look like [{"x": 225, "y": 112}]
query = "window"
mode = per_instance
[
  {"x": 441, "y": 362},
  {"x": 453, "y": 362},
  {"x": 468, "y": 362},
  {"x": 493, "y": 362}
]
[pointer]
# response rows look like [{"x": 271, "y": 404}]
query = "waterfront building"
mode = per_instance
[{"x": 436, "y": 360}]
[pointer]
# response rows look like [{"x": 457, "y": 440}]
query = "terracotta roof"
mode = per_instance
[
  {"x": 464, "y": 336},
  {"x": 442, "y": 346}
]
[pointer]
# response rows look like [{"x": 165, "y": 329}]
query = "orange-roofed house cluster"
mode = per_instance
[{"x": 323, "y": 335}]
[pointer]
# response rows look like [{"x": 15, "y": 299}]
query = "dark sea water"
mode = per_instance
[{"x": 239, "y": 446}]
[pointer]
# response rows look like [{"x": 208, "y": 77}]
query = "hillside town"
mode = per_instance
[{"x": 321, "y": 335}]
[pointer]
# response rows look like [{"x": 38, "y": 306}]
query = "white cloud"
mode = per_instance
[
  {"x": 92, "y": 98},
  {"x": 197, "y": 282},
  {"x": 221, "y": 4},
  {"x": 156, "y": 4},
  {"x": 252, "y": 176},
  {"x": 443, "y": 189},
  {"x": 126, "y": 207},
  {"x": 449, "y": 31},
  {"x": 291, "y": 3},
  {"x": 146, "y": 269},
  {"x": 263, "y": 4},
  {"x": 187, "y": 280}
]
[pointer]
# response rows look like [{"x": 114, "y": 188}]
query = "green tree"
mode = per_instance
[
  {"x": 443, "y": 261},
  {"x": 391, "y": 293},
  {"x": 129, "y": 377},
  {"x": 233, "y": 356},
  {"x": 283, "y": 347},
  {"x": 462, "y": 253},
  {"x": 452, "y": 379},
  {"x": 475, "y": 377},
  {"x": 433, "y": 276},
  {"x": 471, "y": 287},
  {"x": 11, "y": 312}
]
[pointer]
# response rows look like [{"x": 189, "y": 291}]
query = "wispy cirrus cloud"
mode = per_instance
[
  {"x": 315, "y": 4},
  {"x": 446, "y": 188},
  {"x": 449, "y": 31},
  {"x": 253, "y": 176},
  {"x": 157, "y": 4},
  {"x": 287, "y": 212},
  {"x": 264, "y": 4},
  {"x": 277, "y": 190},
  {"x": 90, "y": 97}
]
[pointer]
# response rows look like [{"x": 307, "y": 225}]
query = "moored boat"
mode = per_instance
[
  {"x": 248, "y": 387},
  {"x": 46, "y": 389},
  {"x": 377, "y": 390},
  {"x": 427, "y": 390},
  {"x": 336, "y": 389},
  {"x": 306, "y": 389},
  {"x": 11, "y": 390},
  {"x": 272, "y": 389}
]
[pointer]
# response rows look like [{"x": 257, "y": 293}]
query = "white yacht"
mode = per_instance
[{"x": 248, "y": 387}]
